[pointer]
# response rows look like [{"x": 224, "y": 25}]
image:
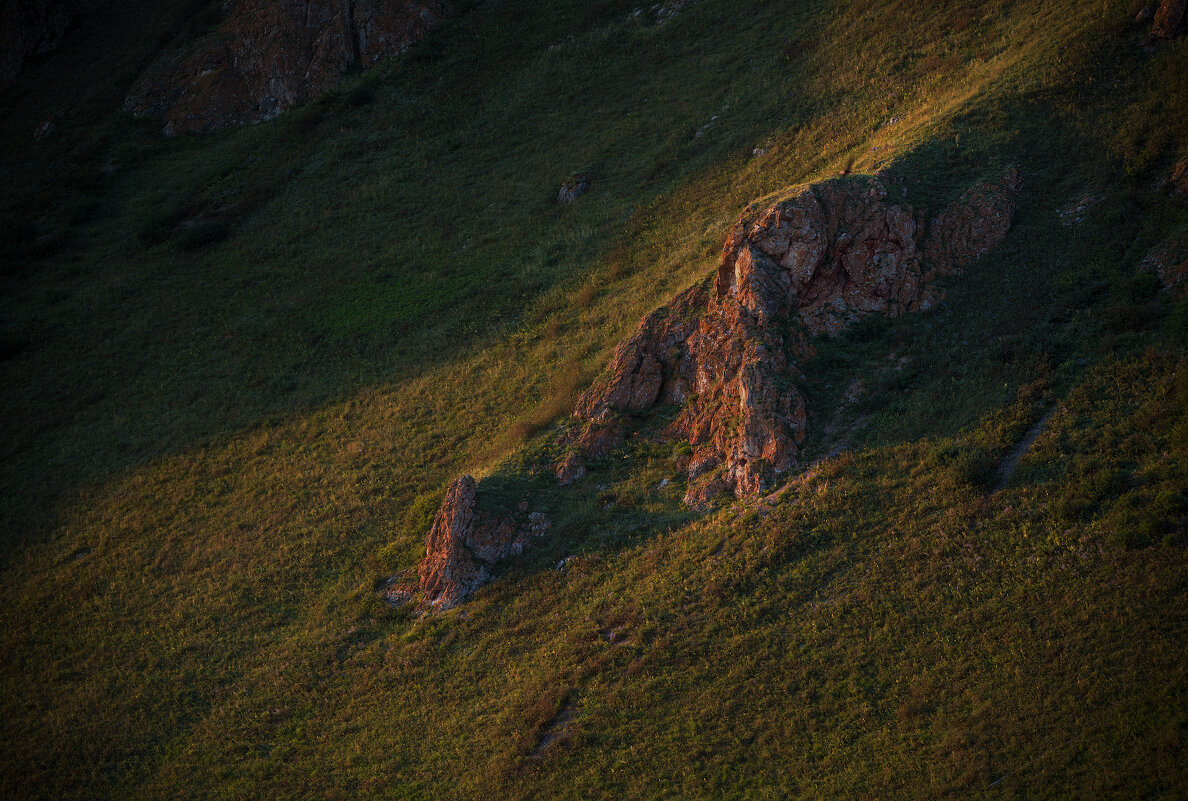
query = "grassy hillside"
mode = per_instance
[{"x": 238, "y": 371}]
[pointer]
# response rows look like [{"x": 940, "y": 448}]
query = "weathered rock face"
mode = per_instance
[
  {"x": 812, "y": 264},
  {"x": 29, "y": 27},
  {"x": 271, "y": 54},
  {"x": 649, "y": 367},
  {"x": 465, "y": 542}
]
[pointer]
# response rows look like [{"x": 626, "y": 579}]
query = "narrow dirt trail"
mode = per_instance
[{"x": 1007, "y": 467}]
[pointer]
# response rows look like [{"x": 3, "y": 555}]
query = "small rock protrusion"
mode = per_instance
[
  {"x": 464, "y": 543},
  {"x": 572, "y": 188},
  {"x": 570, "y": 469}
]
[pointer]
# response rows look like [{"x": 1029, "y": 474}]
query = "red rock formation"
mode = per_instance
[
  {"x": 271, "y": 54},
  {"x": 465, "y": 542},
  {"x": 812, "y": 264},
  {"x": 449, "y": 573},
  {"x": 29, "y": 27}
]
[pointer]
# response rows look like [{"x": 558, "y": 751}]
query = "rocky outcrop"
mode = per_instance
[
  {"x": 729, "y": 353},
  {"x": 465, "y": 542},
  {"x": 1169, "y": 20},
  {"x": 649, "y": 367},
  {"x": 270, "y": 55},
  {"x": 1170, "y": 262},
  {"x": 29, "y": 27},
  {"x": 1178, "y": 182},
  {"x": 811, "y": 264}
]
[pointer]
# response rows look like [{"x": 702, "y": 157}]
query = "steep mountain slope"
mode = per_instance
[{"x": 241, "y": 369}]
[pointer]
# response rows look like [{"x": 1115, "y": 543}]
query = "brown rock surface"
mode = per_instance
[
  {"x": 648, "y": 366},
  {"x": 1169, "y": 19},
  {"x": 570, "y": 469},
  {"x": 464, "y": 542},
  {"x": 271, "y": 54},
  {"x": 29, "y": 27},
  {"x": 1178, "y": 182},
  {"x": 811, "y": 264},
  {"x": 1170, "y": 262},
  {"x": 448, "y": 573},
  {"x": 967, "y": 230}
]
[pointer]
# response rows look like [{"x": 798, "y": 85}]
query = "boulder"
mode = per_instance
[
  {"x": 967, "y": 230},
  {"x": 449, "y": 573},
  {"x": 269, "y": 55},
  {"x": 465, "y": 542}
]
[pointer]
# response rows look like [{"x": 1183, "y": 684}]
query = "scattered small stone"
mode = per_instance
[
  {"x": 662, "y": 12},
  {"x": 538, "y": 524},
  {"x": 701, "y": 131}
]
